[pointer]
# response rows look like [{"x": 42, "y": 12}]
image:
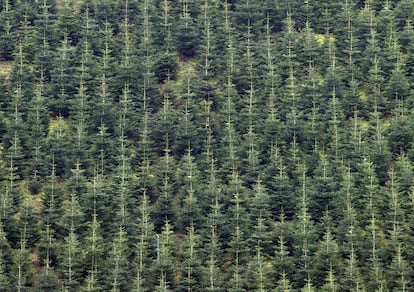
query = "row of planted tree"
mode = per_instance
[{"x": 206, "y": 145}]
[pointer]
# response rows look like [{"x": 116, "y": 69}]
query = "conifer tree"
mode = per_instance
[
  {"x": 188, "y": 177},
  {"x": 119, "y": 279},
  {"x": 288, "y": 66},
  {"x": 164, "y": 209},
  {"x": 212, "y": 276},
  {"x": 230, "y": 137},
  {"x": 145, "y": 146},
  {"x": 166, "y": 63},
  {"x": 165, "y": 257},
  {"x": 191, "y": 265},
  {"x": 350, "y": 102},
  {"x": 51, "y": 203},
  {"x": 85, "y": 96},
  {"x": 305, "y": 233},
  {"x": 103, "y": 118},
  {"x": 187, "y": 32},
  {"x": 322, "y": 197},
  {"x": 62, "y": 73},
  {"x": 4, "y": 252},
  {"x": 335, "y": 111},
  {"x": 37, "y": 122},
  {"x": 68, "y": 22},
  {"x": 214, "y": 281},
  {"x": 312, "y": 52},
  {"x": 123, "y": 163},
  {"x": 72, "y": 221},
  {"x": 18, "y": 109},
  {"x": 94, "y": 254},
  {"x": 8, "y": 37},
  {"x": 279, "y": 184},
  {"x": 70, "y": 256},
  {"x": 327, "y": 264},
  {"x": 144, "y": 247},
  {"x": 44, "y": 24},
  {"x": 352, "y": 276},
  {"x": 23, "y": 270},
  {"x": 283, "y": 264},
  {"x": 260, "y": 240},
  {"x": 397, "y": 274},
  {"x": 272, "y": 123},
  {"x": 239, "y": 229},
  {"x": 252, "y": 118}
]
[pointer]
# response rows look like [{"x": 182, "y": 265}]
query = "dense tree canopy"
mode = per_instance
[{"x": 206, "y": 145}]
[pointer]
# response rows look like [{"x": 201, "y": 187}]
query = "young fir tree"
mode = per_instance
[
  {"x": 59, "y": 136},
  {"x": 213, "y": 276},
  {"x": 188, "y": 178},
  {"x": 207, "y": 51},
  {"x": 410, "y": 220},
  {"x": 305, "y": 235},
  {"x": 166, "y": 63},
  {"x": 251, "y": 116},
  {"x": 93, "y": 257},
  {"x": 352, "y": 275},
  {"x": 327, "y": 258},
  {"x": 326, "y": 185},
  {"x": 288, "y": 67},
  {"x": 71, "y": 250},
  {"x": 396, "y": 85},
  {"x": 5, "y": 252},
  {"x": 81, "y": 104},
  {"x": 283, "y": 262},
  {"x": 375, "y": 78},
  {"x": 22, "y": 272},
  {"x": 239, "y": 226},
  {"x": 335, "y": 118},
  {"x": 46, "y": 38},
  {"x": 67, "y": 27},
  {"x": 164, "y": 266},
  {"x": 379, "y": 151},
  {"x": 272, "y": 123},
  {"x": 18, "y": 108},
  {"x": 119, "y": 278},
  {"x": 375, "y": 274},
  {"x": 71, "y": 222},
  {"x": 123, "y": 169},
  {"x": 189, "y": 125},
  {"x": 164, "y": 207},
  {"x": 191, "y": 265},
  {"x": 230, "y": 136},
  {"x": 351, "y": 100},
  {"x": 149, "y": 99},
  {"x": 398, "y": 274},
  {"x": 367, "y": 183},
  {"x": 278, "y": 183},
  {"x": 145, "y": 246},
  {"x": 14, "y": 157},
  {"x": 68, "y": 22},
  {"x": 312, "y": 54},
  {"x": 8, "y": 25},
  {"x": 260, "y": 241},
  {"x": 103, "y": 117},
  {"x": 187, "y": 37},
  {"x": 37, "y": 121},
  {"x": 51, "y": 211}
]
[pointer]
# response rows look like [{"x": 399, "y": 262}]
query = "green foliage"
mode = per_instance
[
  {"x": 206, "y": 145},
  {"x": 165, "y": 67},
  {"x": 187, "y": 40}
]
